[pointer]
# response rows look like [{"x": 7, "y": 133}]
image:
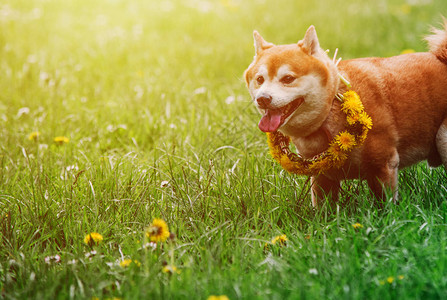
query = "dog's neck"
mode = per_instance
[{"x": 319, "y": 140}]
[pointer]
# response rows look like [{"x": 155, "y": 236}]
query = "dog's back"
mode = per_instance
[{"x": 406, "y": 96}]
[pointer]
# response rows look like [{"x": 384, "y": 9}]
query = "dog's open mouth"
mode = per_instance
[{"x": 274, "y": 118}]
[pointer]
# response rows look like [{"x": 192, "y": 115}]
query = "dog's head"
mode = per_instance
[{"x": 292, "y": 86}]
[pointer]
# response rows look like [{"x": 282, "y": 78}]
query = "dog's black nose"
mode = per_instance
[{"x": 264, "y": 101}]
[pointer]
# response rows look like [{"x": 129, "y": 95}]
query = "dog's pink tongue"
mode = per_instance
[{"x": 271, "y": 121}]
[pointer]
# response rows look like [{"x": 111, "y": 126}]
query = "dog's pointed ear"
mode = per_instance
[
  {"x": 260, "y": 43},
  {"x": 310, "y": 43}
]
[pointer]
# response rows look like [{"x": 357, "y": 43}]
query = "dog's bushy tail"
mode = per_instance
[{"x": 437, "y": 42}]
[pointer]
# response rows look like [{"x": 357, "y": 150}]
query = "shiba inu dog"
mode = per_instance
[{"x": 294, "y": 87}]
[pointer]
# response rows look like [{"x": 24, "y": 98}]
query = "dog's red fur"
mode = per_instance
[{"x": 405, "y": 95}]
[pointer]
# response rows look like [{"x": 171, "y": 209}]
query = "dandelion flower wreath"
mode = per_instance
[{"x": 358, "y": 123}]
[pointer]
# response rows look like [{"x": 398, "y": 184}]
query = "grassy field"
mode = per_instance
[{"x": 158, "y": 124}]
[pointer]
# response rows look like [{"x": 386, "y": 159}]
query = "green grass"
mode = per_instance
[{"x": 151, "y": 96}]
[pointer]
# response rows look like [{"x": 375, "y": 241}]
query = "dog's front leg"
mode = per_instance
[
  {"x": 322, "y": 187},
  {"x": 386, "y": 179}
]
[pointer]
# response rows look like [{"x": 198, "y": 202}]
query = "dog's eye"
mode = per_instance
[
  {"x": 260, "y": 80},
  {"x": 287, "y": 79}
]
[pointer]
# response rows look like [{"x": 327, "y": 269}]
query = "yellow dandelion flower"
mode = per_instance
[
  {"x": 401, "y": 277},
  {"x": 280, "y": 239},
  {"x": 171, "y": 269},
  {"x": 287, "y": 164},
  {"x": 299, "y": 168},
  {"x": 126, "y": 262},
  {"x": 221, "y": 297},
  {"x": 276, "y": 153},
  {"x": 390, "y": 279},
  {"x": 93, "y": 238},
  {"x": 275, "y": 149},
  {"x": 357, "y": 225},
  {"x": 158, "y": 231},
  {"x": 33, "y": 136},
  {"x": 361, "y": 138},
  {"x": 351, "y": 95},
  {"x": 60, "y": 140},
  {"x": 365, "y": 120},
  {"x": 320, "y": 166},
  {"x": 345, "y": 140},
  {"x": 337, "y": 154},
  {"x": 352, "y": 119},
  {"x": 351, "y": 103}
]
